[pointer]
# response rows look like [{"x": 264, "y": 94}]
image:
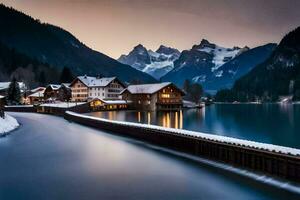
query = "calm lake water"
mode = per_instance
[{"x": 269, "y": 123}]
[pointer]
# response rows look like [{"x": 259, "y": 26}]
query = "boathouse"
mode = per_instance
[{"x": 159, "y": 96}]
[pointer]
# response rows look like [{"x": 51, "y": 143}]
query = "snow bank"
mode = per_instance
[
  {"x": 62, "y": 104},
  {"x": 7, "y": 124},
  {"x": 19, "y": 106},
  {"x": 216, "y": 138}
]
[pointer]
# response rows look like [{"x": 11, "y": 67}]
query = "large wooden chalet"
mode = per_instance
[
  {"x": 159, "y": 96},
  {"x": 51, "y": 92},
  {"x": 85, "y": 88}
]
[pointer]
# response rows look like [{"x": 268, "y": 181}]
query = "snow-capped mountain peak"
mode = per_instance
[
  {"x": 221, "y": 55},
  {"x": 156, "y": 63}
]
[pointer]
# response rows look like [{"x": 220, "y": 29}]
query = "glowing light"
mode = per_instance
[
  {"x": 149, "y": 118},
  {"x": 165, "y": 95},
  {"x": 139, "y": 116}
]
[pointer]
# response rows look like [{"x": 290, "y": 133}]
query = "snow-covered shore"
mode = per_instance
[{"x": 7, "y": 124}]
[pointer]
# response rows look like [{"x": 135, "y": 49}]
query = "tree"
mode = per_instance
[
  {"x": 66, "y": 76},
  {"x": 195, "y": 92},
  {"x": 13, "y": 93},
  {"x": 186, "y": 86},
  {"x": 42, "y": 77}
]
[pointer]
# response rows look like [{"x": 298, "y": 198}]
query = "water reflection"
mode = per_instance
[
  {"x": 165, "y": 119},
  {"x": 270, "y": 123}
]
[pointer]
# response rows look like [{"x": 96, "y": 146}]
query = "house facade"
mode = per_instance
[
  {"x": 51, "y": 92},
  {"x": 35, "y": 96},
  {"x": 64, "y": 92},
  {"x": 85, "y": 88},
  {"x": 160, "y": 96}
]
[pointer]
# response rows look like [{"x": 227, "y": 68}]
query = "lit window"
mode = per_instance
[{"x": 165, "y": 95}]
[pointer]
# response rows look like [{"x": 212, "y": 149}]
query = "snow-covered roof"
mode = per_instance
[
  {"x": 67, "y": 85},
  {"x": 91, "y": 81},
  {"x": 38, "y": 89},
  {"x": 146, "y": 88},
  {"x": 54, "y": 86},
  {"x": 38, "y": 94},
  {"x": 115, "y": 102},
  {"x": 112, "y": 102}
]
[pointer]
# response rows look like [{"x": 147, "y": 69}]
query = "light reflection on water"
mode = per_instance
[{"x": 269, "y": 123}]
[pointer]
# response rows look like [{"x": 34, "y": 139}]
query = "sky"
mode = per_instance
[{"x": 114, "y": 27}]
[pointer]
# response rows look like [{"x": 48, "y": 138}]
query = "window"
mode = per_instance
[{"x": 165, "y": 95}]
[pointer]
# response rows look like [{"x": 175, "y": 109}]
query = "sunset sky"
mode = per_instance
[{"x": 113, "y": 27}]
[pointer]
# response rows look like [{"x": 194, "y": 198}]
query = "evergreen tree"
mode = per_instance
[
  {"x": 42, "y": 77},
  {"x": 195, "y": 92},
  {"x": 186, "y": 86},
  {"x": 66, "y": 76},
  {"x": 13, "y": 93}
]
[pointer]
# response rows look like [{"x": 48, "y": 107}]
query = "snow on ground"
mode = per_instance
[
  {"x": 62, "y": 104},
  {"x": 19, "y": 106},
  {"x": 216, "y": 138},
  {"x": 7, "y": 124}
]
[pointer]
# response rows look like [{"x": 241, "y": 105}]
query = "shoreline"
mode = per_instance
[{"x": 7, "y": 125}]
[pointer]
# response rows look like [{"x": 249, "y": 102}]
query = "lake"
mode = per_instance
[{"x": 269, "y": 123}]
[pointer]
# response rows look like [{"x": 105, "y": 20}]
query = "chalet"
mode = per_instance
[
  {"x": 36, "y": 96},
  {"x": 85, "y": 88},
  {"x": 51, "y": 92},
  {"x": 159, "y": 96},
  {"x": 64, "y": 92}
]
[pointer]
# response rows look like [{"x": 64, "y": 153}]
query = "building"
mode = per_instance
[
  {"x": 159, "y": 96},
  {"x": 64, "y": 92},
  {"x": 51, "y": 92},
  {"x": 85, "y": 88},
  {"x": 35, "y": 96}
]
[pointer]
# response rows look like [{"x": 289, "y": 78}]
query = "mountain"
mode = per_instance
[
  {"x": 202, "y": 63},
  {"x": 157, "y": 63},
  {"x": 54, "y": 45},
  {"x": 239, "y": 66},
  {"x": 278, "y": 76},
  {"x": 24, "y": 68}
]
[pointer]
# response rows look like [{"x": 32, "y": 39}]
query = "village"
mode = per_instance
[{"x": 88, "y": 94}]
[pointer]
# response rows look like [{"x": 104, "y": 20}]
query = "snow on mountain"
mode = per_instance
[
  {"x": 221, "y": 55},
  {"x": 215, "y": 67},
  {"x": 156, "y": 63}
]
